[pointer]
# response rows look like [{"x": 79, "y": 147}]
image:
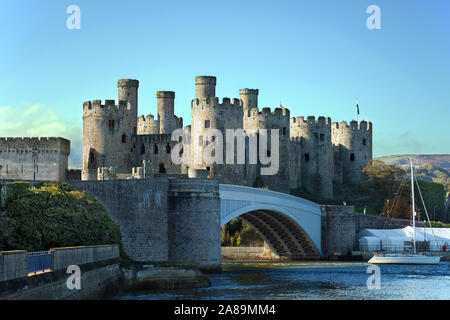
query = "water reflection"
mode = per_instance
[{"x": 315, "y": 280}]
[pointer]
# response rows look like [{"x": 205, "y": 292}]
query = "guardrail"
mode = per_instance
[
  {"x": 431, "y": 248},
  {"x": 39, "y": 261}
]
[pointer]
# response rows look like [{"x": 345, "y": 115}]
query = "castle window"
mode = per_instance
[
  {"x": 352, "y": 157},
  {"x": 111, "y": 124},
  {"x": 181, "y": 151},
  {"x": 155, "y": 149},
  {"x": 268, "y": 153},
  {"x": 207, "y": 123},
  {"x": 167, "y": 148},
  {"x": 306, "y": 156},
  {"x": 142, "y": 149},
  {"x": 284, "y": 131},
  {"x": 161, "y": 168},
  {"x": 364, "y": 142},
  {"x": 322, "y": 137},
  {"x": 124, "y": 138}
]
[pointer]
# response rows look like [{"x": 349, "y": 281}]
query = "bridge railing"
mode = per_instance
[{"x": 39, "y": 261}]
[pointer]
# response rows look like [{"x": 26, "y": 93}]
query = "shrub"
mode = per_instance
[{"x": 52, "y": 215}]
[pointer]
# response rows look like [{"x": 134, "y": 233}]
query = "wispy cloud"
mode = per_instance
[{"x": 40, "y": 121}]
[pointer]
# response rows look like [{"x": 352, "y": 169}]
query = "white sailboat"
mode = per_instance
[{"x": 406, "y": 258}]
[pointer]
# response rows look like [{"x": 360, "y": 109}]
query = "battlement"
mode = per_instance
[
  {"x": 205, "y": 80},
  {"x": 96, "y": 106},
  {"x": 148, "y": 118},
  {"x": 249, "y": 91},
  {"x": 362, "y": 126},
  {"x": 267, "y": 113},
  {"x": 213, "y": 103},
  {"x": 128, "y": 83},
  {"x": 321, "y": 122},
  {"x": 165, "y": 94},
  {"x": 48, "y": 144},
  {"x": 147, "y": 125}
]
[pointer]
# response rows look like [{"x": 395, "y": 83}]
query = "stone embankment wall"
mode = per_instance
[
  {"x": 99, "y": 271},
  {"x": 248, "y": 253},
  {"x": 340, "y": 227}
]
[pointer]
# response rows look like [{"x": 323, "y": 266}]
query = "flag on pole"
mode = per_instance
[{"x": 281, "y": 106}]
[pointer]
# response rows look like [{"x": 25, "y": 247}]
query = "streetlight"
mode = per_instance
[
  {"x": 34, "y": 155},
  {"x": 103, "y": 166}
]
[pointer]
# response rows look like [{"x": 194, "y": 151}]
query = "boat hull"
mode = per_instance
[{"x": 405, "y": 259}]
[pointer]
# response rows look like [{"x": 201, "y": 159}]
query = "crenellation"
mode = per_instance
[{"x": 313, "y": 152}]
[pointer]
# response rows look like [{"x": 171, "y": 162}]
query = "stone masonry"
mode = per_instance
[{"x": 313, "y": 153}]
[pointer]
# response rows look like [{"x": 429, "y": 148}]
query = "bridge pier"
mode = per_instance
[{"x": 194, "y": 222}]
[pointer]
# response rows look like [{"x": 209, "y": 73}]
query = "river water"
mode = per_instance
[{"x": 315, "y": 280}]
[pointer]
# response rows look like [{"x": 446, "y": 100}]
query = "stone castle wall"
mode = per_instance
[
  {"x": 313, "y": 153},
  {"x": 353, "y": 145},
  {"x": 317, "y": 157},
  {"x": 16, "y": 158}
]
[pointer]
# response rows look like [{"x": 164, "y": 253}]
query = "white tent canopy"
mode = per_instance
[{"x": 400, "y": 239}]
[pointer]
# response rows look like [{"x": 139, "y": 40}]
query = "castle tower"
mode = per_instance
[
  {"x": 147, "y": 125},
  {"x": 107, "y": 131},
  {"x": 128, "y": 91},
  {"x": 166, "y": 115},
  {"x": 207, "y": 113},
  {"x": 205, "y": 87},
  {"x": 317, "y": 158},
  {"x": 249, "y": 98},
  {"x": 353, "y": 145},
  {"x": 265, "y": 119}
]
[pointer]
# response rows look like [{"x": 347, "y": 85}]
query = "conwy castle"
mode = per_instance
[{"x": 313, "y": 153}]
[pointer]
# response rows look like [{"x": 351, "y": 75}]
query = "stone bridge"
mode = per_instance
[
  {"x": 291, "y": 226},
  {"x": 179, "y": 219}
]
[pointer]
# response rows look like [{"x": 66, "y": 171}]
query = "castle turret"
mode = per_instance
[
  {"x": 107, "y": 131},
  {"x": 208, "y": 113},
  {"x": 205, "y": 87},
  {"x": 353, "y": 146},
  {"x": 249, "y": 98},
  {"x": 317, "y": 158},
  {"x": 165, "y": 103},
  {"x": 128, "y": 91},
  {"x": 266, "y": 119}
]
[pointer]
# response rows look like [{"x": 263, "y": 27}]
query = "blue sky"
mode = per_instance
[{"x": 317, "y": 57}]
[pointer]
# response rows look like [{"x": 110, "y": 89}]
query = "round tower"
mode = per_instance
[
  {"x": 265, "y": 119},
  {"x": 205, "y": 87},
  {"x": 354, "y": 144},
  {"x": 317, "y": 156},
  {"x": 128, "y": 91},
  {"x": 208, "y": 113},
  {"x": 105, "y": 144},
  {"x": 166, "y": 114},
  {"x": 249, "y": 98}
]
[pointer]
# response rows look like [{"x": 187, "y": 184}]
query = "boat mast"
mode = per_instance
[{"x": 413, "y": 207}]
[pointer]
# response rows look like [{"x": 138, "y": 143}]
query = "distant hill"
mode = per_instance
[{"x": 429, "y": 167}]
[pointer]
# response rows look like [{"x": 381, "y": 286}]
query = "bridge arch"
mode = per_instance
[{"x": 291, "y": 226}]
